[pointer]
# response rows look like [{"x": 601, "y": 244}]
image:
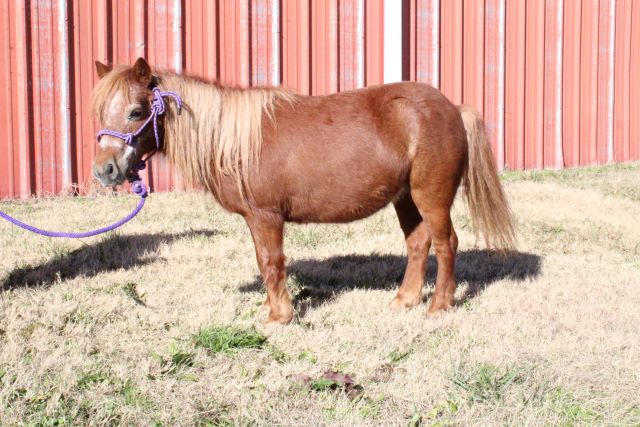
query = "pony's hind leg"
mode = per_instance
[
  {"x": 445, "y": 243},
  {"x": 267, "y": 236},
  {"x": 418, "y": 240}
]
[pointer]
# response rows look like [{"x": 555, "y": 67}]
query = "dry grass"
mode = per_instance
[{"x": 117, "y": 330}]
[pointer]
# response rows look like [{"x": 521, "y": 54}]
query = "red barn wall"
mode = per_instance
[{"x": 558, "y": 81}]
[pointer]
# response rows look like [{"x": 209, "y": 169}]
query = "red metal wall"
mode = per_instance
[
  {"x": 558, "y": 81},
  {"x": 47, "y": 50}
]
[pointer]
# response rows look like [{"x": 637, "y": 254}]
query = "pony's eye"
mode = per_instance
[{"x": 135, "y": 114}]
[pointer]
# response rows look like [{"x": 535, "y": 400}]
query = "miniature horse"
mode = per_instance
[{"x": 273, "y": 156}]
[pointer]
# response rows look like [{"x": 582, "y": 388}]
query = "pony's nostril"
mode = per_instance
[{"x": 108, "y": 169}]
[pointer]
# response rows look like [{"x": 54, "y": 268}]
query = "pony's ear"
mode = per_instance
[
  {"x": 142, "y": 72},
  {"x": 102, "y": 69}
]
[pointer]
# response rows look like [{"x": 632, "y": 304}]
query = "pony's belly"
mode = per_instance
[{"x": 341, "y": 207}]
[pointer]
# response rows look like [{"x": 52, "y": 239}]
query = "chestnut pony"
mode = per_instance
[{"x": 273, "y": 156}]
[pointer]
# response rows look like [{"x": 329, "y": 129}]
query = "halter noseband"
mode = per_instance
[{"x": 158, "y": 108}]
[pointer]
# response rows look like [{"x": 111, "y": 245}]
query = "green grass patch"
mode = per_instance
[
  {"x": 92, "y": 378},
  {"x": 398, "y": 355},
  {"x": 132, "y": 396},
  {"x": 175, "y": 362},
  {"x": 569, "y": 174},
  {"x": 181, "y": 359},
  {"x": 485, "y": 382},
  {"x": 569, "y": 409},
  {"x": 227, "y": 339},
  {"x": 130, "y": 289},
  {"x": 436, "y": 416},
  {"x": 308, "y": 356}
]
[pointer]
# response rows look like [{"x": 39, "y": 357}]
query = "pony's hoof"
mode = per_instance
[
  {"x": 401, "y": 304},
  {"x": 437, "y": 309},
  {"x": 279, "y": 319}
]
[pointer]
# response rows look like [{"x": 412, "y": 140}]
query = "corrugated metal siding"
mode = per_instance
[{"x": 558, "y": 81}]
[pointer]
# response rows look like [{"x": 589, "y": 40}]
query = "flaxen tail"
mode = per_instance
[{"x": 490, "y": 212}]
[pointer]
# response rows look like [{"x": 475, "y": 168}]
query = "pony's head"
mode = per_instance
[{"x": 122, "y": 102}]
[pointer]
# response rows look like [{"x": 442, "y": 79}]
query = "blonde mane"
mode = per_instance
[{"x": 219, "y": 132}]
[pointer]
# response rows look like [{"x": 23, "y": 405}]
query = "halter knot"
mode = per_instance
[{"x": 139, "y": 188}]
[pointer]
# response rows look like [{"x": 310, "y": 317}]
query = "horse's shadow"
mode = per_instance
[
  {"x": 110, "y": 254},
  {"x": 315, "y": 281},
  {"x": 318, "y": 281}
]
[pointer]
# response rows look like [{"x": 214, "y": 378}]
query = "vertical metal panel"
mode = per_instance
[
  {"x": 394, "y": 47},
  {"x": 451, "y": 31},
  {"x": 424, "y": 41},
  {"x": 295, "y": 46},
  {"x": 324, "y": 47},
  {"x": 622, "y": 80},
  {"x": 409, "y": 39},
  {"x": 634, "y": 72},
  {"x": 351, "y": 44},
  {"x": 606, "y": 26},
  {"x": 534, "y": 85},
  {"x": 63, "y": 97},
  {"x": 514, "y": 85},
  {"x": 264, "y": 42},
  {"x": 22, "y": 103},
  {"x": 234, "y": 40},
  {"x": 42, "y": 90},
  {"x": 374, "y": 42},
  {"x": 201, "y": 38},
  {"x": 494, "y": 69},
  {"x": 553, "y": 44},
  {"x": 7, "y": 152},
  {"x": 50, "y": 125},
  {"x": 571, "y": 82},
  {"x": 589, "y": 82},
  {"x": 473, "y": 61}
]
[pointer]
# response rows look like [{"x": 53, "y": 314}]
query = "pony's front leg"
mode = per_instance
[{"x": 267, "y": 233}]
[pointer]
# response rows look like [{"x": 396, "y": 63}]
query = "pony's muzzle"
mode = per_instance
[{"x": 108, "y": 173}]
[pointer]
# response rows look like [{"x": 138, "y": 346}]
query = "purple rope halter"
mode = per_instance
[{"x": 158, "y": 108}]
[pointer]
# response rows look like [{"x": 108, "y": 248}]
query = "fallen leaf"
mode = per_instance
[{"x": 338, "y": 377}]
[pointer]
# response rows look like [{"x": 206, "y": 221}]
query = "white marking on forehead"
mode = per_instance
[
  {"x": 116, "y": 105},
  {"x": 115, "y": 109}
]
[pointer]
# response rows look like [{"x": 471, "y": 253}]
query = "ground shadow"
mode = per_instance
[
  {"x": 112, "y": 253},
  {"x": 319, "y": 281}
]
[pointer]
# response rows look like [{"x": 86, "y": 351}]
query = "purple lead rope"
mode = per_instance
[
  {"x": 138, "y": 187},
  {"x": 78, "y": 235}
]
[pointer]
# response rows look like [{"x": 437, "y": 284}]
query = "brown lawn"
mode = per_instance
[{"x": 161, "y": 322}]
